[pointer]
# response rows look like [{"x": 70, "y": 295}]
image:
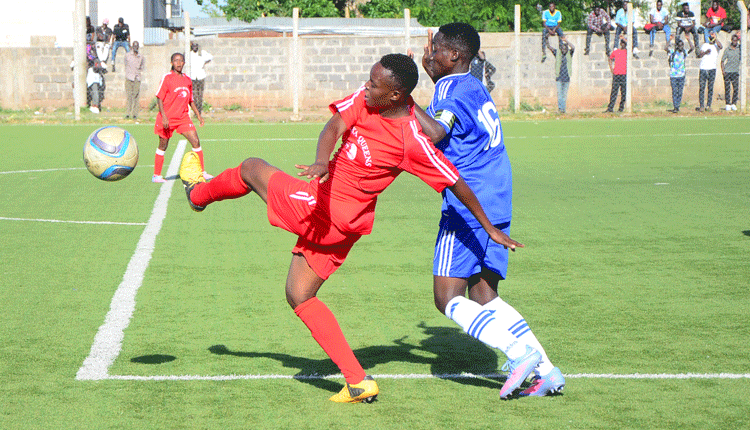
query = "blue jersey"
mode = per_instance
[{"x": 474, "y": 144}]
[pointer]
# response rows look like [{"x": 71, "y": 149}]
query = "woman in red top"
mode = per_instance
[{"x": 173, "y": 98}]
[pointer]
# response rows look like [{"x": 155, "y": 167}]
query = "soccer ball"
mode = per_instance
[{"x": 110, "y": 153}]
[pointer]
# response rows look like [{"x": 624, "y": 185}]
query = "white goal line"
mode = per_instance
[{"x": 426, "y": 376}]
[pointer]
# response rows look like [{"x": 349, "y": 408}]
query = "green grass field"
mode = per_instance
[{"x": 634, "y": 277}]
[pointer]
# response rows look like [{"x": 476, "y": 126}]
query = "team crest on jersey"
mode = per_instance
[
  {"x": 183, "y": 91},
  {"x": 351, "y": 149}
]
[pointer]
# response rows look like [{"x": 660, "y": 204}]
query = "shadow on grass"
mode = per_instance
[
  {"x": 153, "y": 359},
  {"x": 746, "y": 232},
  {"x": 449, "y": 351}
]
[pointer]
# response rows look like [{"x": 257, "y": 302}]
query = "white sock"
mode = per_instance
[
  {"x": 480, "y": 324},
  {"x": 511, "y": 321}
]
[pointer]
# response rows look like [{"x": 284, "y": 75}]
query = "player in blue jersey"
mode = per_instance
[{"x": 469, "y": 133}]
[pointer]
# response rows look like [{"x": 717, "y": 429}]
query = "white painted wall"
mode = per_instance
[{"x": 20, "y": 20}]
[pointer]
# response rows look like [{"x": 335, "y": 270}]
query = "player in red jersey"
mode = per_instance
[
  {"x": 174, "y": 97},
  {"x": 381, "y": 138}
]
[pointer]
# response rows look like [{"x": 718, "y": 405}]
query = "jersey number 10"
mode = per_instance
[{"x": 491, "y": 121}]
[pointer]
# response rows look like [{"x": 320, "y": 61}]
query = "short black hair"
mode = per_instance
[
  {"x": 463, "y": 37},
  {"x": 403, "y": 69}
]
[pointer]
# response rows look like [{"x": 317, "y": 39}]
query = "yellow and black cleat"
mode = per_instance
[
  {"x": 191, "y": 174},
  {"x": 365, "y": 391}
]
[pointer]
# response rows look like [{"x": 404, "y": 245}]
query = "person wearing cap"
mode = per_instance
[
  {"x": 708, "y": 53},
  {"x": 730, "y": 69},
  {"x": 121, "y": 36},
  {"x": 563, "y": 70},
  {"x": 104, "y": 33}
]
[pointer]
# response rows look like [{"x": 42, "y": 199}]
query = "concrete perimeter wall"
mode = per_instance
[{"x": 255, "y": 72}]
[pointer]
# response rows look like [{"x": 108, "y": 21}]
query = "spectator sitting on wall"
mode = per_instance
[
  {"x": 716, "y": 16},
  {"x": 597, "y": 22},
  {"x": 621, "y": 22},
  {"x": 483, "y": 70},
  {"x": 658, "y": 21},
  {"x": 551, "y": 19},
  {"x": 104, "y": 33},
  {"x": 686, "y": 24},
  {"x": 121, "y": 36}
]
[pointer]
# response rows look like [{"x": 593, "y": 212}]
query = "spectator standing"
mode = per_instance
[
  {"x": 597, "y": 22},
  {"x": 716, "y": 16},
  {"x": 198, "y": 62},
  {"x": 676, "y": 58},
  {"x": 730, "y": 69},
  {"x": 658, "y": 21},
  {"x": 618, "y": 64},
  {"x": 121, "y": 35},
  {"x": 563, "y": 70},
  {"x": 134, "y": 65},
  {"x": 90, "y": 31},
  {"x": 551, "y": 19},
  {"x": 621, "y": 27},
  {"x": 686, "y": 24},
  {"x": 483, "y": 70},
  {"x": 708, "y": 53},
  {"x": 95, "y": 83}
]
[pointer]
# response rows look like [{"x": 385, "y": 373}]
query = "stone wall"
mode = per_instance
[{"x": 256, "y": 72}]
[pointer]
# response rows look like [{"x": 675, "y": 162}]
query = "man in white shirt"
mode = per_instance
[
  {"x": 658, "y": 20},
  {"x": 198, "y": 62},
  {"x": 709, "y": 54}
]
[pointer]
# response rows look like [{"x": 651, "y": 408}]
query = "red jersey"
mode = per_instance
[
  {"x": 716, "y": 16},
  {"x": 176, "y": 93},
  {"x": 374, "y": 151},
  {"x": 621, "y": 61}
]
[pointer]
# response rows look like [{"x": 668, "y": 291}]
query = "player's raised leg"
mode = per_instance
[{"x": 302, "y": 285}]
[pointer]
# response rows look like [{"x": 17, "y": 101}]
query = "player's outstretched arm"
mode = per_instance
[
  {"x": 332, "y": 131},
  {"x": 466, "y": 196},
  {"x": 430, "y": 127}
]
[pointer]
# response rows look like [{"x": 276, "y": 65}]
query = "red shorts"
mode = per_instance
[
  {"x": 292, "y": 206},
  {"x": 182, "y": 126}
]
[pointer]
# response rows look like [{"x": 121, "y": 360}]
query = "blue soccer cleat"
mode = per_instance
[
  {"x": 518, "y": 370},
  {"x": 546, "y": 385}
]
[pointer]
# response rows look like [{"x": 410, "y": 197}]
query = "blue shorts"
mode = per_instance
[{"x": 462, "y": 251}]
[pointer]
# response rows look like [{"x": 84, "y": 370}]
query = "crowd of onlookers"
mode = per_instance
[
  {"x": 103, "y": 42},
  {"x": 600, "y": 23}
]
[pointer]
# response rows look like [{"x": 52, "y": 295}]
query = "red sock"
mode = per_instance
[
  {"x": 158, "y": 162},
  {"x": 326, "y": 331},
  {"x": 227, "y": 185},
  {"x": 199, "y": 151}
]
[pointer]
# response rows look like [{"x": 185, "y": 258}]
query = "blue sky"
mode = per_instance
[{"x": 192, "y": 7}]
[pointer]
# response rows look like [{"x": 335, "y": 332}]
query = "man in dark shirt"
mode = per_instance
[
  {"x": 104, "y": 33},
  {"x": 563, "y": 70},
  {"x": 686, "y": 24},
  {"x": 121, "y": 37}
]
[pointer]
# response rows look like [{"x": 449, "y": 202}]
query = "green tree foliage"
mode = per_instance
[{"x": 248, "y": 10}]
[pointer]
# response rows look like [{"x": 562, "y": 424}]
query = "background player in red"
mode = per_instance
[
  {"x": 174, "y": 97},
  {"x": 381, "y": 137}
]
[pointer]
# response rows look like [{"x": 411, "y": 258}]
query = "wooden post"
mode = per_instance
[
  {"x": 407, "y": 29},
  {"x": 294, "y": 67},
  {"x": 517, "y": 68},
  {"x": 743, "y": 55},
  {"x": 79, "y": 57},
  {"x": 629, "y": 60}
]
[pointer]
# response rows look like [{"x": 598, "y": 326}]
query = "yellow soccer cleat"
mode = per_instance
[
  {"x": 191, "y": 174},
  {"x": 366, "y": 391}
]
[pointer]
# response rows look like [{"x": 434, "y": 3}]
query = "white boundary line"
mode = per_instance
[
  {"x": 108, "y": 340},
  {"x": 427, "y": 376},
  {"x": 72, "y": 222},
  {"x": 42, "y": 170}
]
